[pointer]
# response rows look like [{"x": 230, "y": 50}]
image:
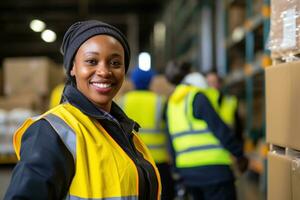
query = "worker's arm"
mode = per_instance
[
  {"x": 46, "y": 168},
  {"x": 238, "y": 126},
  {"x": 202, "y": 109},
  {"x": 171, "y": 150}
]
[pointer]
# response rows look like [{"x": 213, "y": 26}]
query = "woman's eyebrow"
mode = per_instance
[
  {"x": 91, "y": 52},
  {"x": 115, "y": 54}
]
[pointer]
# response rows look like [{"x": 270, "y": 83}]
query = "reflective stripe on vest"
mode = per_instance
[
  {"x": 227, "y": 109},
  {"x": 192, "y": 140},
  {"x": 64, "y": 131},
  {"x": 146, "y": 107},
  {"x": 102, "y": 169}
]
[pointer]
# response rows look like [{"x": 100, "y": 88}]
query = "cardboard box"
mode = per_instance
[
  {"x": 282, "y": 105},
  {"x": 279, "y": 177},
  {"x": 31, "y": 75},
  {"x": 285, "y": 33},
  {"x": 29, "y": 101},
  {"x": 295, "y": 178}
]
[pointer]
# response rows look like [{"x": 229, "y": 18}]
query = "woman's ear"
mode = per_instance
[{"x": 72, "y": 70}]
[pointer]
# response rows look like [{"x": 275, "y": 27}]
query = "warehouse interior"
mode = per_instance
[{"x": 253, "y": 45}]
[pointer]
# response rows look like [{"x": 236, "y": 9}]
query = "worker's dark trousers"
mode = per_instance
[
  {"x": 221, "y": 191},
  {"x": 167, "y": 182}
]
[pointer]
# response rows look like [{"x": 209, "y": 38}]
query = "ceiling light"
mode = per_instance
[
  {"x": 144, "y": 61},
  {"x": 238, "y": 34},
  {"x": 48, "y": 35},
  {"x": 37, "y": 25}
]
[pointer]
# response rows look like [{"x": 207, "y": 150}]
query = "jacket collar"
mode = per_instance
[{"x": 72, "y": 95}]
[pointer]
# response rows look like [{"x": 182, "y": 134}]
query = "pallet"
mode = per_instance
[
  {"x": 287, "y": 151},
  {"x": 278, "y": 58}
]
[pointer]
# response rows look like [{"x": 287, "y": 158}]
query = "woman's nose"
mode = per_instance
[{"x": 103, "y": 70}]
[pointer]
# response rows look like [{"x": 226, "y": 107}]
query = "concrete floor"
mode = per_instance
[{"x": 247, "y": 185}]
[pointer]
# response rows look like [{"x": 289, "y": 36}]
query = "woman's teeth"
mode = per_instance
[{"x": 102, "y": 85}]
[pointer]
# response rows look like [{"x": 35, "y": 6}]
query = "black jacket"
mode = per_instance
[{"x": 46, "y": 168}]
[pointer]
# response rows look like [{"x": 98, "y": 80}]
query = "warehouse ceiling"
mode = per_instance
[{"x": 17, "y": 39}]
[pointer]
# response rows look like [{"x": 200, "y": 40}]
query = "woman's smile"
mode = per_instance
[{"x": 99, "y": 69}]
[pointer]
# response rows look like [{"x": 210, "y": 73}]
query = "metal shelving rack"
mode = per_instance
[
  {"x": 252, "y": 66},
  {"x": 185, "y": 32},
  {"x": 251, "y": 75},
  {"x": 246, "y": 80}
]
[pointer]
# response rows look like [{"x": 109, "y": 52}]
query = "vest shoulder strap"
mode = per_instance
[{"x": 65, "y": 132}]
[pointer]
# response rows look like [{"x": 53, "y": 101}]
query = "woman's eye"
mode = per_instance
[
  {"x": 91, "y": 62},
  {"x": 115, "y": 63}
]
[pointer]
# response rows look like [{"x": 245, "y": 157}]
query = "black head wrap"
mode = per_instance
[{"x": 81, "y": 31}]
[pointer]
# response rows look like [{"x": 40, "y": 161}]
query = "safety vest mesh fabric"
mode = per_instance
[
  {"x": 146, "y": 107},
  {"x": 102, "y": 169},
  {"x": 193, "y": 142},
  {"x": 227, "y": 109}
]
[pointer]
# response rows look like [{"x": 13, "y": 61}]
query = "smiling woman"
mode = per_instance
[
  {"x": 99, "y": 69},
  {"x": 79, "y": 149}
]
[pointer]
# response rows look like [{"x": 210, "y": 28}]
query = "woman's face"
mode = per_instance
[{"x": 99, "y": 69}]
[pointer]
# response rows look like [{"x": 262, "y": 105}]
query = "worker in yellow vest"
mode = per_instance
[
  {"x": 56, "y": 95},
  {"x": 201, "y": 141},
  {"x": 228, "y": 105},
  {"x": 86, "y": 147},
  {"x": 146, "y": 108}
]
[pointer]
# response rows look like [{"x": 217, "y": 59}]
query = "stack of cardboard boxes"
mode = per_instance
[
  {"x": 282, "y": 102},
  {"x": 285, "y": 31},
  {"x": 27, "y": 84}
]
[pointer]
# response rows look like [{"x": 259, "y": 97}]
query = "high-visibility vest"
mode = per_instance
[
  {"x": 146, "y": 107},
  {"x": 194, "y": 143},
  {"x": 227, "y": 109},
  {"x": 56, "y": 95},
  {"x": 102, "y": 169}
]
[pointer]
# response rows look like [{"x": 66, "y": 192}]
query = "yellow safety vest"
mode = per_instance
[
  {"x": 194, "y": 143},
  {"x": 146, "y": 108},
  {"x": 56, "y": 95},
  {"x": 102, "y": 169},
  {"x": 227, "y": 109}
]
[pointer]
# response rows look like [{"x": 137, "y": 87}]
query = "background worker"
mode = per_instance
[
  {"x": 201, "y": 141},
  {"x": 56, "y": 95},
  {"x": 86, "y": 147},
  {"x": 146, "y": 108},
  {"x": 228, "y": 105}
]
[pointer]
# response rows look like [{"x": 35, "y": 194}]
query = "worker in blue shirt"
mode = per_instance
[
  {"x": 228, "y": 105},
  {"x": 146, "y": 108}
]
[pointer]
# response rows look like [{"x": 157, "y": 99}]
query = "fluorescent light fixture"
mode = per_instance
[
  {"x": 37, "y": 25},
  {"x": 144, "y": 61},
  {"x": 48, "y": 35}
]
